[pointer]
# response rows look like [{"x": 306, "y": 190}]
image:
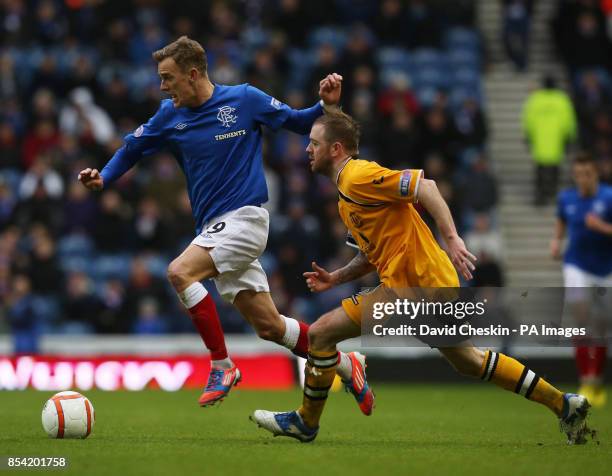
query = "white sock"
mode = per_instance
[
  {"x": 193, "y": 294},
  {"x": 222, "y": 364},
  {"x": 345, "y": 367},
  {"x": 292, "y": 332}
]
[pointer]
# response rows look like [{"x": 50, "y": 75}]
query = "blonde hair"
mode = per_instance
[
  {"x": 186, "y": 53},
  {"x": 340, "y": 127}
]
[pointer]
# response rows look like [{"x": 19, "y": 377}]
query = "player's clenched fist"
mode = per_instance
[
  {"x": 91, "y": 178},
  {"x": 330, "y": 89},
  {"x": 319, "y": 279}
]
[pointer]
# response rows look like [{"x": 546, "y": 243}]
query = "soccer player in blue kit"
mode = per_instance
[
  {"x": 585, "y": 213},
  {"x": 214, "y": 132}
]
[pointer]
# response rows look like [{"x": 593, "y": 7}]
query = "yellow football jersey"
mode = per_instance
[{"x": 375, "y": 204}]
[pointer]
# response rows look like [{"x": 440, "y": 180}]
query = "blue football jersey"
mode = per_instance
[
  {"x": 217, "y": 145},
  {"x": 588, "y": 250}
]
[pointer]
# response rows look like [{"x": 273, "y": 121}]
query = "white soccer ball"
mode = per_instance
[{"x": 68, "y": 415}]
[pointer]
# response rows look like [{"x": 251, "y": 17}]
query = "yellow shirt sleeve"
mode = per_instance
[{"x": 370, "y": 183}]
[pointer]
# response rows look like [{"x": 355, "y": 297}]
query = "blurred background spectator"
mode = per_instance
[
  {"x": 549, "y": 126},
  {"x": 516, "y": 26}
]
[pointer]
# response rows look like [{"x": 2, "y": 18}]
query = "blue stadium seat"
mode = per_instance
[
  {"x": 429, "y": 57},
  {"x": 157, "y": 265},
  {"x": 459, "y": 94},
  {"x": 388, "y": 76},
  {"x": 389, "y": 57},
  {"x": 75, "y": 328},
  {"x": 75, "y": 245},
  {"x": 431, "y": 77},
  {"x": 140, "y": 78},
  {"x": 463, "y": 58},
  {"x": 333, "y": 36},
  {"x": 254, "y": 37},
  {"x": 112, "y": 266},
  {"x": 12, "y": 177},
  {"x": 466, "y": 77},
  {"x": 47, "y": 310},
  {"x": 426, "y": 95},
  {"x": 302, "y": 62},
  {"x": 602, "y": 75},
  {"x": 70, "y": 264},
  {"x": 232, "y": 50},
  {"x": 462, "y": 37},
  {"x": 268, "y": 262}
]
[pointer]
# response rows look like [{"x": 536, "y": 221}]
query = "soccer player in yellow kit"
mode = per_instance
[{"x": 376, "y": 205}]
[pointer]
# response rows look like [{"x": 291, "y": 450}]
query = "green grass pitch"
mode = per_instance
[{"x": 415, "y": 429}]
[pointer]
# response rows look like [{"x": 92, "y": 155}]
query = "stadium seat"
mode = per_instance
[
  {"x": 426, "y": 95},
  {"x": 301, "y": 63},
  {"x": 429, "y": 57},
  {"x": 463, "y": 58},
  {"x": 112, "y": 266},
  {"x": 431, "y": 77},
  {"x": 69, "y": 264},
  {"x": 12, "y": 177},
  {"x": 397, "y": 58},
  {"x": 605, "y": 79},
  {"x": 140, "y": 79},
  {"x": 47, "y": 310},
  {"x": 253, "y": 38},
  {"x": 75, "y": 245},
  {"x": 268, "y": 262},
  {"x": 333, "y": 36},
  {"x": 459, "y": 94},
  {"x": 75, "y": 328},
  {"x": 157, "y": 265},
  {"x": 466, "y": 77},
  {"x": 462, "y": 37},
  {"x": 390, "y": 76}
]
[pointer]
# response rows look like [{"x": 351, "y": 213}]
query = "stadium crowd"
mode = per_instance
[
  {"x": 582, "y": 30},
  {"x": 76, "y": 76}
]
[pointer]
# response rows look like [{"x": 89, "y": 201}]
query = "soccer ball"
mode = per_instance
[{"x": 68, "y": 415}]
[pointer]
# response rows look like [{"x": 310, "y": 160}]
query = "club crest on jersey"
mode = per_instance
[
  {"x": 405, "y": 183},
  {"x": 355, "y": 220},
  {"x": 226, "y": 116}
]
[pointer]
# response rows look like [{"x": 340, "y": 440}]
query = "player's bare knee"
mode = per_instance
[
  {"x": 316, "y": 337},
  {"x": 177, "y": 276},
  {"x": 271, "y": 331}
]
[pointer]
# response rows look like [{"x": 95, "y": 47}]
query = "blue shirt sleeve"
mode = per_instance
[
  {"x": 608, "y": 204},
  {"x": 145, "y": 140},
  {"x": 274, "y": 114}
]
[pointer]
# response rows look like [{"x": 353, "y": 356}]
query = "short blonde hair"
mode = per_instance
[
  {"x": 186, "y": 53},
  {"x": 340, "y": 127}
]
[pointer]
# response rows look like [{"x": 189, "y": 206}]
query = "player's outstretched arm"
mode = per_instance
[
  {"x": 92, "y": 179},
  {"x": 595, "y": 223},
  {"x": 430, "y": 198},
  {"x": 555, "y": 243},
  {"x": 319, "y": 279}
]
